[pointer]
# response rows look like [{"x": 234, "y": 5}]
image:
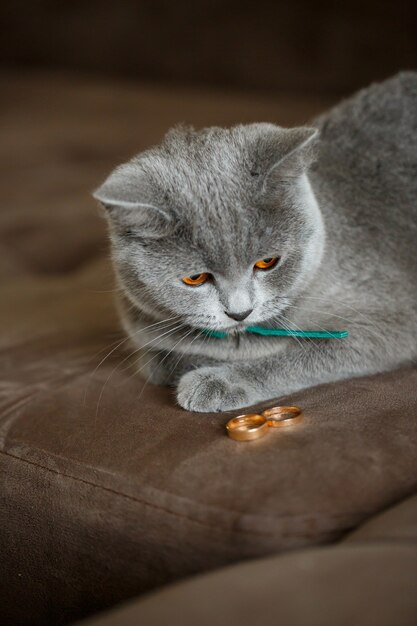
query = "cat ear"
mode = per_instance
[
  {"x": 286, "y": 152},
  {"x": 126, "y": 196}
]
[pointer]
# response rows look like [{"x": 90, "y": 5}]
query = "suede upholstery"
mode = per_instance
[
  {"x": 108, "y": 488},
  {"x": 369, "y": 579}
]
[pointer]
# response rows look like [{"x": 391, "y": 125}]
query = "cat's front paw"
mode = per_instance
[{"x": 210, "y": 389}]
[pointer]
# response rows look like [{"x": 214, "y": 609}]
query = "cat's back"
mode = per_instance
[{"x": 368, "y": 152}]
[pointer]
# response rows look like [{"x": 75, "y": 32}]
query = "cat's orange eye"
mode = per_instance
[
  {"x": 196, "y": 280},
  {"x": 266, "y": 264}
]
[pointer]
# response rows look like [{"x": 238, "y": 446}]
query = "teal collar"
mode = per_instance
[{"x": 281, "y": 332}]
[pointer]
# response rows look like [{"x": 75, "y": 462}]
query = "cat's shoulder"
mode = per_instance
[
  {"x": 373, "y": 133},
  {"x": 381, "y": 105}
]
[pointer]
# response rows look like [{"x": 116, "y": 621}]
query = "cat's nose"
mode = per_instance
[{"x": 238, "y": 316}]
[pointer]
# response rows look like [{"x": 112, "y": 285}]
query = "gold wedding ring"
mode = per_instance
[
  {"x": 278, "y": 416},
  {"x": 247, "y": 427},
  {"x": 252, "y": 426}
]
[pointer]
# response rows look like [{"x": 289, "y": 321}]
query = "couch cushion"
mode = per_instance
[
  {"x": 108, "y": 488},
  {"x": 372, "y": 585},
  {"x": 397, "y": 524},
  {"x": 366, "y": 580}
]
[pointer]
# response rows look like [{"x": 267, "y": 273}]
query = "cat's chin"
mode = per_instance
[{"x": 231, "y": 330}]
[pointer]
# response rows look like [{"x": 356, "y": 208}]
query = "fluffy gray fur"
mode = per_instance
[{"x": 337, "y": 202}]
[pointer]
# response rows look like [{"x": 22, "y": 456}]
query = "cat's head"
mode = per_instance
[{"x": 219, "y": 226}]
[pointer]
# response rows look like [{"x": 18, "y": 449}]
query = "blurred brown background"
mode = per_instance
[{"x": 297, "y": 46}]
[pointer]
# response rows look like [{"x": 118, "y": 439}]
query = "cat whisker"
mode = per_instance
[
  {"x": 181, "y": 355},
  {"x": 283, "y": 321},
  {"x": 155, "y": 341},
  {"x": 126, "y": 339},
  {"x": 314, "y": 323},
  {"x": 96, "y": 354},
  {"x": 189, "y": 331},
  {"x": 122, "y": 333},
  {"x": 309, "y": 310},
  {"x": 159, "y": 365},
  {"x": 170, "y": 331},
  {"x": 345, "y": 304},
  {"x": 151, "y": 347},
  {"x": 371, "y": 326}
]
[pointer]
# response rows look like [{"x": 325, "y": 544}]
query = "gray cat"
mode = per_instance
[{"x": 311, "y": 228}]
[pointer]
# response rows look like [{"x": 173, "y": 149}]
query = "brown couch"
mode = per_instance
[{"x": 109, "y": 489}]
